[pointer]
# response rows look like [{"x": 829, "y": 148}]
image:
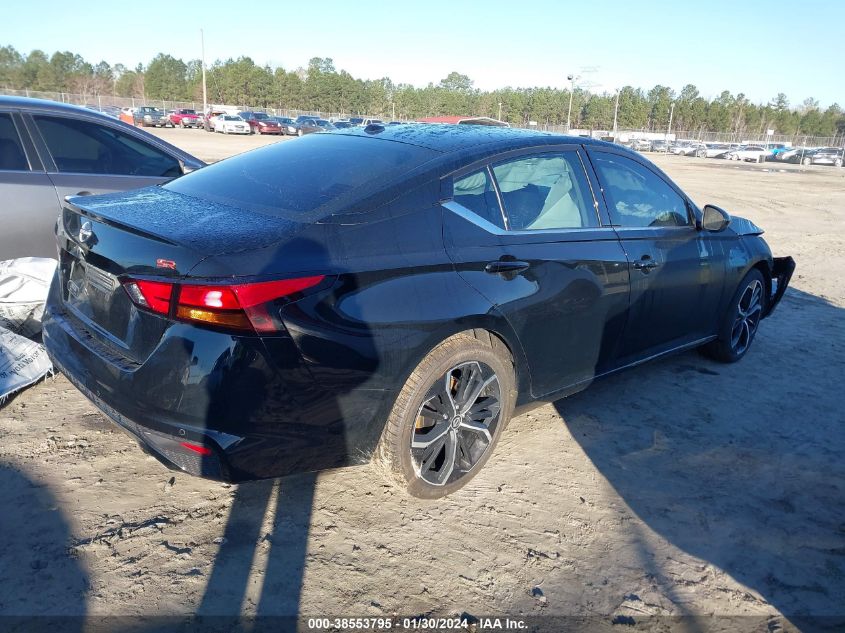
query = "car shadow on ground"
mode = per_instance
[
  {"x": 740, "y": 465},
  {"x": 34, "y": 538}
]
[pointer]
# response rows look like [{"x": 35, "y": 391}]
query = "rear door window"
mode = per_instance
[
  {"x": 12, "y": 156},
  {"x": 546, "y": 191},
  {"x": 475, "y": 192},
  {"x": 85, "y": 147}
]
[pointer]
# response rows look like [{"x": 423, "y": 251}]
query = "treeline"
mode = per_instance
[{"x": 321, "y": 87}]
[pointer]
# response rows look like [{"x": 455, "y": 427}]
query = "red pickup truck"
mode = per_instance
[{"x": 185, "y": 118}]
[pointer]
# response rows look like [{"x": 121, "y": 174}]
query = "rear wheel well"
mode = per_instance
[{"x": 498, "y": 342}]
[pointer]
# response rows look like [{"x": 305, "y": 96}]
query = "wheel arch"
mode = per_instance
[{"x": 490, "y": 326}]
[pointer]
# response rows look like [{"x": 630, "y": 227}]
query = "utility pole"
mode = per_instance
[
  {"x": 669, "y": 130},
  {"x": 204, "y": 92},
  {"x": 571, "y": 79},
  {"x": 500, "y": 111},
  {"x": 615, "y": 114}
]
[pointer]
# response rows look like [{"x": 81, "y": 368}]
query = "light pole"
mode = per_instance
[
  {"x": 571, "y": 79},
  {"x": 669, "y": 129},
  {"x": 615, "y": 114},
  {"x": 204, "y": 93},
  {"x": 500, "y": 110}
]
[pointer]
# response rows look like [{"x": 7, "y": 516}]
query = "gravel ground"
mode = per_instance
[{"x": 680, "y": 488}]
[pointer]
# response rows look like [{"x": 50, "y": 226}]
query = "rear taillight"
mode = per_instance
[
  {"x": 153, "y": 295},
  {"x": 236, "y": 306}
]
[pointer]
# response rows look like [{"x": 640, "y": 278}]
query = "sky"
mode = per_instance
[{"x": 759, "y": 47}]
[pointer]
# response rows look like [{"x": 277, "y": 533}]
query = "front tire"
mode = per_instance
[
  {"x": 807, "y": 161},
  {"x": 739, "y": 324},
  {"x": 449, "y": 415}
]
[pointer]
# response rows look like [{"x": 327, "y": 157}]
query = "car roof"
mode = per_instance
[
  {"x": 466, "y": 139},
  {"x": 45, "y": 104}
]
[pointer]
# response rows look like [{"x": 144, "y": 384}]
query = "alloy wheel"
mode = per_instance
[
  {"x": 456, "y": 423},
  {"x": 749, "y": 311}
]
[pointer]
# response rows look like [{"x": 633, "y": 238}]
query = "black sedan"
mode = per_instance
[
  {"x": 822, "y": 156},
  {"x": 394, "y": 293}
]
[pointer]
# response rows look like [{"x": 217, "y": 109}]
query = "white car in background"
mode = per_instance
[
  {"x": 230, "y": 124},
  {"x": 685, "y": 148},
  {"x": 716, "y": 150},
  {"x": 756, "y": 153}
]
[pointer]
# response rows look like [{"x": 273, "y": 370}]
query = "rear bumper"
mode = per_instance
[
  {"x": 782, "y": 269},
  {"x": 250, "y": 401}
]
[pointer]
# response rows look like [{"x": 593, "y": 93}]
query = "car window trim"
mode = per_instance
[
  {"x": 693, "y": 218},
  {"x": 29, "y": 153},
  {"x": 583, "y": 234}
]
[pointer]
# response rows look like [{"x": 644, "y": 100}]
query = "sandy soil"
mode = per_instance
[{"x": 683, "y": 487}]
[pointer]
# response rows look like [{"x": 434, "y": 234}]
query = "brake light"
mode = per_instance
[
  {"x": 238, "y": 306},
  {"x": 197, "y": 448},
  {"x": 154, "y": 295}
]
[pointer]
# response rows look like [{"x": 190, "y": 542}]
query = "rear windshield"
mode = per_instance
[{"x": 294, "y": 178}]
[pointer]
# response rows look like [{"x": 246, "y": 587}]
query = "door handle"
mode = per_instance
[
  {"x": 506, "y": 267},
  {"x": 646, "y": 264}
]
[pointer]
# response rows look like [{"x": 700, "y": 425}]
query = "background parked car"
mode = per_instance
[
  {"x": 261, "y": 123},
  {"x": 148, "y": 116},
  {"x": 789, "y": 153},
  {"x": 684, "y": 148},
  {"x": 210, "y": 117},
  {"x": 659, "y": 146},
  {"x": 641, "y": 144},
  {"x": 824, "y": 156},
  {"x": 127, "y": 115},
  {"x": 287, "y": 125},
  {"x": 716, "y": 150},
  {"x": 306, "y": 125},
  {"x": 699, "y": 150},
  {"x": 775, "y": 149},
  {"x": 50, "y": 150},
  {"x": 231, "y": 124},
  {"x": 755, "y": 153},
  {"x": 184, "y": 117}
]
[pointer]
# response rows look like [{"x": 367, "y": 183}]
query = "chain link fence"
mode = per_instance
[{"x": 101, "y": 101}]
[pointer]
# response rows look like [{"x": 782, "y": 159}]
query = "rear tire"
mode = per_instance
[
  {"x": 742, "y": 319},
  {"x": 807, "y": 161},
  {"x": 449, "y": 415}
]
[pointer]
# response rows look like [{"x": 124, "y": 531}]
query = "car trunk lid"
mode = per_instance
[{"x": 146, "y": 234}]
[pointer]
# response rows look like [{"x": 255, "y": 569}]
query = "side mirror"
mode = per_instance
[{"x": 715, "y": 219}]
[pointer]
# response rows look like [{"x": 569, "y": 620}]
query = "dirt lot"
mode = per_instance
[{"x": 680, "y": 488}]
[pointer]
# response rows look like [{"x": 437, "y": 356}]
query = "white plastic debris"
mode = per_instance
[
  {"x": 22, "y": 362},
  {"x": 24, "y": 284}
]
